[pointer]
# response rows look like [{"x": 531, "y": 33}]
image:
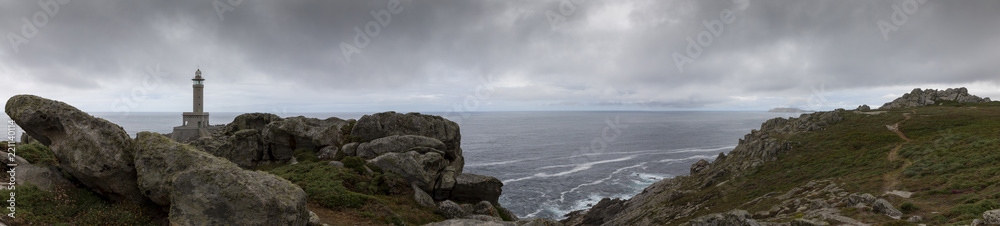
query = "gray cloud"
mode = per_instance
[{"x": 432, "y": 55}]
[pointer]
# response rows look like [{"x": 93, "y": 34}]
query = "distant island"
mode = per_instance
[{"x": 787, "y": 110}]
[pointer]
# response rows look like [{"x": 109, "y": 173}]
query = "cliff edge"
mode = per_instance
[{"x": 918, "y": 162}]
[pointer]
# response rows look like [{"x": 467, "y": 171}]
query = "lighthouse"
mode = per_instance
[{"x": 195, "y": 123}]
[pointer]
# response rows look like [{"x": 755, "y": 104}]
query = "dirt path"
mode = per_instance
[{"x": 892, "y": 178}]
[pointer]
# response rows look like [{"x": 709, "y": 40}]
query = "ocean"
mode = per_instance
[{"x": 552, "y": 163}]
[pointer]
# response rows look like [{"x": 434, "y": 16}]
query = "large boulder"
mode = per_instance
[
  {"x": 255, "y": 121},
  {"x": 371, "y": 127},
  {"x": 283, "y": 137},
  {"x": 884, "y": 207},
  {"x": 422, "y": 198},
  {"x": 992, "y": 217},
  {"x": 450, "y": 210},
  {"x": 473, "y": 188},
  {"x": 95, "y": 151},
  {"x": 201, "y": 188},
  {"x": 243, "y": 147},
  {"x": 402, "y": 144},
  {"x": 423, "y": 170}
]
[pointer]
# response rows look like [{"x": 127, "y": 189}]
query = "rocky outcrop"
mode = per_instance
[
  {"x": 285, "y": 136},
  {"x": 371, "y": 127},
  {"x": 200, "y": 188},
  {"x": 402, "y": 144},
  {"x": 864, "y": 107},
  {"x": 45, "y": 177},
  {"x": 257, "y": 121},
  {"x": 699, "y": 166},
  {"x": 419, "y": 169},
  {"x": 96, "y": 152},
  {"x": 424, "y": 149},
  {"x": 992, "y": 217},
  {"x": 604, "y": 211},
  {"x": 919, "y": 97},
  {"x": 471, "y": 188},
  {"x": 256, "y": 139},
  {"x": 243, "y": 147}
]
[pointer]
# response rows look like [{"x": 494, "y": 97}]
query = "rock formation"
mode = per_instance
[
  {"x": 152, "y": 170},
  {"x": 471, "y": 188},
  {"x": 283, "y": 137},
  {"x": 95, "y": 151},
  {"x": 926, "y": 97},
  {"x": 371, "y": 127},
  {"x": 200, "y": 188}
]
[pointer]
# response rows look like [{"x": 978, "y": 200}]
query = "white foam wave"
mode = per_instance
[
  {"x": 493, "y": 163},
  {"x": 576, "y": 168},
  {"x": 562, "y": 195},
  {"x": 687, "y": 159},
  {"x": 673, "y": 151}
]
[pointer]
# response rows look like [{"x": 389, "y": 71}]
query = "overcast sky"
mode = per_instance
[{"x": 307, "y": 56}]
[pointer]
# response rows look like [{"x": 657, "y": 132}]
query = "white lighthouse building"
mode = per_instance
[{"x": 195, "y": 123}]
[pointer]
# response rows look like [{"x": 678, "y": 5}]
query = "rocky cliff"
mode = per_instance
[
  {"x": 784, "y": 173},
  {"x": 758, "y": 147}
]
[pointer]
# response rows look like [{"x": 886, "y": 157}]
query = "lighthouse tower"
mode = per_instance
[{"x": 195, "y": 123}]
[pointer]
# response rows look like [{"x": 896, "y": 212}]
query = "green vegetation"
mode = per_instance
[
  {"x": 346, "y": 131},
  {"x": 78, "y": 205},
  {"x": 908, "y": 207},
  {"x": 378, "y": 196},
  {"x": 503, "y": 213},
  {"x": 971, "y": 211},
  {"x": 949, "y": 162},
  {"x": 305, "y": 155},
  {"x": 37, "y": 154}
]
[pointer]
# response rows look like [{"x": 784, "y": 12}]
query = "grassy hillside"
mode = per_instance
[{"x": 948, "y": 155}]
